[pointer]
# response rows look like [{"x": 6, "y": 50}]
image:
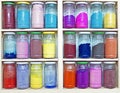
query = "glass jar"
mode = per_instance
[
  {"x": 9, "y": 75},
  {"x": 22, "y": 45},
  {"x": 36, "y": 45},
  {"x": 84, "y": 45},
  {"x": 36, "y": 75},
  {"x": 49, "y": 45},
  {"x": 69, "y": 44},
  {"x": 9, "y": 45},
  {"x": 22, "y": 75},
  {"x": 23, "y": 14},
  {"x": 37, "y": 14},
  {"x": 96, "y": 19},
  {"x": 51, "y": 15},
  {"x": 110, "y": 75},
  {"x": 95, "y": 75},
  {"x": 69, "y": 75},
  {"x": 98, "y": 45},
  {"x": 81, "y": 15},
  {"x": 110, "y": 20},
  {"x": 8, "y": 14},
  {"x": 69, "y": 14},
  {"x": 82, "y": 75},
  {"x": 50, "y": 75},
  {"x": 111, "y": 45}
]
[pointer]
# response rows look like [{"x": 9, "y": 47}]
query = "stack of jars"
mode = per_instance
[
  {"x": 22, "y": 75},
  {"x": 94, "y": 74},
  {"x": 23, "y": 16},
  {"x": 77, "y": 15},
  {"x": 19, "y": 46},
  {"x": 97, "y": 45}
]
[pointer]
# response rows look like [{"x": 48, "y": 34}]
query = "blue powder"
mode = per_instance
[
  {"x": 9, "y": 55},
  {"x": 84, "y": 50},
  {"x": 96, "y": 20}
]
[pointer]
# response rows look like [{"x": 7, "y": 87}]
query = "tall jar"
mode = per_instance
[
  {"x": 84, "y": 45},
  {"x": 69, "y": 75},
  {"x": 111, "y": 45},
  {"x": 9, "y": 75},
  {"x": 81, "y": 15},
  {"x": 98, "y": 45},
  {"x": 36, "y": 75},
  {"x": 37, "y": 14},
  {"x": 50, "y": 75},
  {"x": 110, "y": 75},
  {"x": 9, "y": 45},
  {"x": 69, "y": 44},
  {"x": 82, "y": 75},
  {"x": 8, "y": 14},
  {"x": 22, "y": 45},
  {"x": 36, "y": 45},
  {"x": 96, "y": 18},
  {"x": 49, "y": 45},
  {"x": 95, "y": 75},
  {"x": 69, "y": 14},
  {"x": 51, "y": 15},
  {"x": 110, "y": 20},
  {"x": 22, "y": 75},
  {"x": 23, "y": 14}
]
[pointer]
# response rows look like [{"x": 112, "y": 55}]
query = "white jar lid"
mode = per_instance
[
  {"x": 84, "y": 33},
  {"x": 109, "y": 62},
  {"x": 95, "y": 62},
  {"x": 22, "y": 63},
  {"x": 82, "y": 3},
  {"x": 7, "y": 33},
  {"x": 50, "y": 3},
  {"x": 36, "y": 62},
  {"x": 8, "y": 62},
  {"x": 50, "y": 62},
  {"x": 109, "y": 3},
  {"x": 110, "y": 32},
  {"x": 67, "y": 2},
  {"x": 96, "y": 3},
  {"x": 37, "y": 3},
  {"x": 69, "y": 62}
]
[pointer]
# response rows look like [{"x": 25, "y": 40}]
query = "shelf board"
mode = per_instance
[{"x": 29, "y": 0}]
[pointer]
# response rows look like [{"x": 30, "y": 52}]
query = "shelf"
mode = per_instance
[
  {"x": 29, "y": 0},
  {"x": 92, "y": 0}
]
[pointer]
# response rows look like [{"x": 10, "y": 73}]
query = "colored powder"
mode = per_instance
[
  {"x": 98, "y": 50},
  {"x": 22, "y": 76},
  {"x": 50, "y": 21},
  {"x": 23, "y": 18},
  {"x": 110, "y": 20},
  {"x": 110, "y": 78},
  {"x": 84, "y": 50},
  {"x": 36, "y": 48},
  {"x": 82, "y": 78},
  {"x": 82, "y": 20},
  {"x": 111, "y": 47},
  {"x": 96, "y": 20},
  {"x": 69, "y": 21},
  {"x": 69, "y": 51}
]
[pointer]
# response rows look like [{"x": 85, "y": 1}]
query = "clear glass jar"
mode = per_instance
[
  {"x": 36, "y": 45},
  {"x": 36, "y": 76},
  {"x": 111, "y": 45},
  {"x": 22, "y": 45},
  {"x": 95, "y": 75},
  {"x": 23, "y": 14},
  {"x": 9, "y": 45},
  {"x": 69, "y": 44},
  {"x": 50, "y": 75},
  {"x": 98, "y": 45},
  {"x": 51, "y": 15},
  {"x": 69, "y": 14},
  {"x": 81, "y": 15},
  {"x": 110, "y": 20},
  {"x": 84, "y": 45},
  {"x": 82, "y": 75},
  {"x": 110, "y": 75},
  {"x": 69, "y": 75},
  {"x": 49, "y": 45},
  {"x": 96, "y": 19},
  {"x": 37, "y": 14}
]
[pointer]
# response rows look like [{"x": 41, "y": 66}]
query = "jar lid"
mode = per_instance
[
  {"x": 82, "y": 3},
  {"x": 8, "y": 3},
  {"x": 50, "y": 3},
  {"x": 110, "y": 32},
  {"x": 109, "y": 62},
  {"x": 82, "y": 62},
  {"x": 22, "y": 63},
  {"x": 48, "y": 32},
  {"x": 37, "y": 3},
  {"x": 84, "y": 32},
  {"x": 67, "y": 2},
  {"x": 96, "y": 3},
  {"x": 98, "y": 33},
  {"x": 8, "y": 62},
  {"x": 69, "y": 32},
  {"x": 21, "y": 32},
  {"x": 36, "y": 62},
  {"x": 36, "y": 33},
  {"x": 50, "y": 62},
  {"x": 23, "y": 2},
  {"x": 109, "y": 3},
  {"x": 7, "y": 33},
  {"x": 69, "y": 62},
  {"x": 95, "y": 62}
]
